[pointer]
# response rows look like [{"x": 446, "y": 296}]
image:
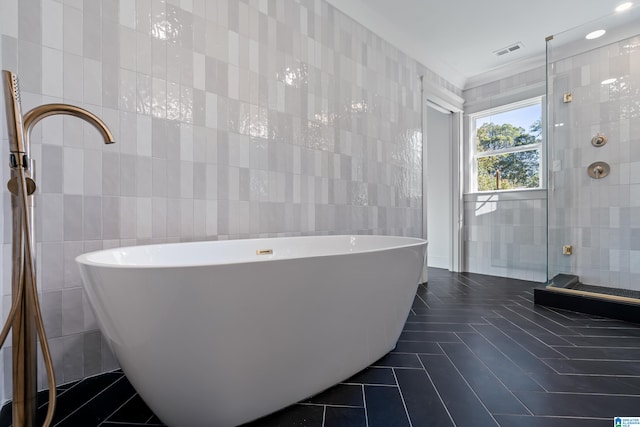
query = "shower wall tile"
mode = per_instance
[
  {"x": 51, "y": 305},
  {"x": 92, "y": 357},
  {"x": 73, "y": 357},
  {"x": 51, "y": 229},
  {"x": 52, "y": 80},
  {"x": 30, "y": 57},
  {"x": 49, "y": 173},
  {"x": 56, "y": 347},
  {"x": 30, "y": 18},
  {"x": 90, "y": 322},
  {"x": 232, "y": 120},
  {"x": 92, "y": 218},
  {"x": 71, "y": 274},
  {"x": 107, "y": 359},
  {"x": 596, "y": 216},
  {"x": 72, "y": 311},
  {"x": 52, "y": 266},
  {"x": 506, "y": 237}
]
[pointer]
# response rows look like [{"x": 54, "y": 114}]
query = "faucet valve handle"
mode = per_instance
[{"x": 12, "y": 186}]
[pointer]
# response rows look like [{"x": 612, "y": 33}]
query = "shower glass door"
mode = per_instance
[{"x": 593, "y": 156}]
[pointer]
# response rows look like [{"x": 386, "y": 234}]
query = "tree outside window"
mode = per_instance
[{"x": 507, "y": 147}]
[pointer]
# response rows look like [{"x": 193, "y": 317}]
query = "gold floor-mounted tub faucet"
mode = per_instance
[{"x": 25, "y": 317}]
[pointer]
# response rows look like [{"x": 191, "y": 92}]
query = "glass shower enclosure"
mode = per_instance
[{"x": 593, "y": 157}]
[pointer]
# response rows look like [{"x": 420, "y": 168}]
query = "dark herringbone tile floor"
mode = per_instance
[{"x": 475, "y": 352}]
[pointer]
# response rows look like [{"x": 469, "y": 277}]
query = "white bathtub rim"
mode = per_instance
[{"x": 85, "y": 257}]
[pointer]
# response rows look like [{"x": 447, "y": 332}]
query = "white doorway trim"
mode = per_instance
[
  {"x": 457, "y": 208},
  {"x": 448, "y": 103}
]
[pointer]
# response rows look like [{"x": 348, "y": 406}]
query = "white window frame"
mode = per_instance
[{"x": 473, "y": 155}]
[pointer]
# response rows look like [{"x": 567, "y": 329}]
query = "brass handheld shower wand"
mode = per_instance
[{"x": 24, "y": 316}]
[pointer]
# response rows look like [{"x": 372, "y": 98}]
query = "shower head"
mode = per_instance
[
  {"x": 14, "y": 86},
  {"x": 14, "y": 113}
]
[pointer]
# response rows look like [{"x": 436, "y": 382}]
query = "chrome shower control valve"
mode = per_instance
[
  {"x": 598, "y": 170},
  {"x": 599, "y": 140}
]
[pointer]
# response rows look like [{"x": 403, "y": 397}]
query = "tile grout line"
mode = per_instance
[
  {"x": 542, "y": 315},
  {"x": 562, "y": 417},
  {"x": 575, "y": 374},
  {"x": 598, "y": 360},
  {"x": 492, "y": 373},
  {"x": 62, "y": 392},
  {"x": 325, "y": 404},
  {"x": 509, "y": 359},
  {"x": 521, "y": 347},
  {"x": 585, "y": 394},
  {"x": 123, "y": 423},
  {"x": 60, "y": 423},
  {"x": 423, "y": 301},
  {"x": 437, "y": 392},
  {"x": 529, "y": 334},
  {"x": 120, "y": 407},
  {"x": 404, "y": 404},
  {"x": 469, "y": 385},
  {"x": 372, "y": 385},
  {"x": 364, "y": 402},
  {"x": 538, "y": 325}
]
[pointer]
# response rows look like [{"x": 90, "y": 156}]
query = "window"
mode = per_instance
[{"x": 506, "y": 147}]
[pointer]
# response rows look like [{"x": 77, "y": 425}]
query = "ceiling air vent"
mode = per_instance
[{"x": 508, "y": 49}]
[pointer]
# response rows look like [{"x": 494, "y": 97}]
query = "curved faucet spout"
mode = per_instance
[{"x": 38, "y": 113}]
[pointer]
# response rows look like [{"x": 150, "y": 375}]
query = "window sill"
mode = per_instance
[{"x": 506, "y": 195}]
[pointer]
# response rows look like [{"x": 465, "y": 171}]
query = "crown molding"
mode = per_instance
[{"x": 504, "y": 71}]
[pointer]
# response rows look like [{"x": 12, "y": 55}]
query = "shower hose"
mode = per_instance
[{"x": 26, "y": 277}]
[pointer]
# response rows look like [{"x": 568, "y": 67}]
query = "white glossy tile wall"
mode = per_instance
[
  {"x": 504, "y": 236},
  {"x": 598, "y": 217},
  {"x": 488, "y": 95},
  {"x": 234, "y": 119}
]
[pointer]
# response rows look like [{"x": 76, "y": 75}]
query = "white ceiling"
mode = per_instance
[{"x": 457, "y": 38}]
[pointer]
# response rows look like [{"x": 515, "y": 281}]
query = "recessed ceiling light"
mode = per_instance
[
  {"x": 595, "y": 34},
  {"x": 624, "y": 6},
  {"x": 609, "y": 81}
]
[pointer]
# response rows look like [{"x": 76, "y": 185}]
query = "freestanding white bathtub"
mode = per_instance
[{"x": 217, "y": 334}]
